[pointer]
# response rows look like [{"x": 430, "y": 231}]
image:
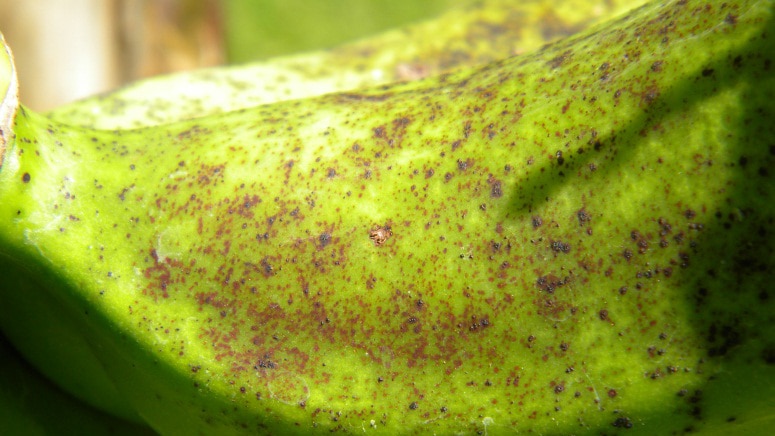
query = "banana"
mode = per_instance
[
  {"x": 573, "y": 240},
  {"x": 462, "y": 37},
  {"x": 31, "y": 405}
]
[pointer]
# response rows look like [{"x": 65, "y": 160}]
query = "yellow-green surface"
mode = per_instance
[
  {"x": 575, "y": 240},
  {"x": 460, "y": 38}
]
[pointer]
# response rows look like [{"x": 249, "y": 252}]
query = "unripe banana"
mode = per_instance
[
  {"x": 477, "y": 34},
  {"x": 574, "y": 240},
  {"x": 32, "y": 406}
]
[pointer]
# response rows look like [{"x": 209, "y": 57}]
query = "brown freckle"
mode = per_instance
[
  {"x": 612, "y": 393},
  {"x": 413, "y": 405},
  {"x": 26, "y": 177},
  {"x": 331, "y": 173},
  {"x": 656, "y": 66},
  {"x": 603, "y": 314},
  {"x": 731, "y": 19},
  {"x": 429, "y": 174},
  {"x": 560, "y": 388},
  {"x": 627, "y": 253},
  {"x": 623, "y": 290},
  {"x": 537, "y": 221}
]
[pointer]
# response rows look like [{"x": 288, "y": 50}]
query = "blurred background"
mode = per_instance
[{"x": 70, "y": 49}]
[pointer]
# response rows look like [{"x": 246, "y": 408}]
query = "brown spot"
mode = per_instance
[
  {"x": 26, "y": 177},
  {"x": 380, "y": 234},
  {"x": 603, "y": 314},
  {"x": 324, "y": 239},
  {"x": 496, "y": 191}
]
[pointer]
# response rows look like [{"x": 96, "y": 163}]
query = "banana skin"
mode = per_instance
[
  {"x": 460, "y": 38},
  {"x": 570, "y": 241}
]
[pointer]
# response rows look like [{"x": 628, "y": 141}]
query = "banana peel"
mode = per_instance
[
  {"x": 570, "y": 241},
  {"x": 460, "y": 38},
  {"x": 31, "y": 405}
]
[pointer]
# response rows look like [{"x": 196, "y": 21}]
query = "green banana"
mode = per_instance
[
  {"x": 462, "y": 37},
  {"x": 570, "y": 241},
  {"x": 31, "y": 405}
]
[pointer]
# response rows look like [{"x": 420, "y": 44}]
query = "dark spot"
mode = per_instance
[
  {"x": 537, "y": 221},
  {"x": 731, "y": 19},
  {"x": 324, "y": 239},
  {"x": 584, "y": 217},
  {"x": 559, "y": 388},
  {"x": 603, "y": 314},
  {"x": 622, "y": 422},
  {"x": 559, "y": 246},
  {"x": 496, "y": 190},
  {"x": 612, "y": 393},
  {"x": 549, "y": 283},
  {"x": 26, "y": 177},
  {"x": 429, "y": 174},
  {"x": 560, "y": 159},
  {"x": 413, "y": 405},
  {"x": 331, "y": 173},
  {"x": 656, "y": 66},
  {"x": 707, "y": 72}
]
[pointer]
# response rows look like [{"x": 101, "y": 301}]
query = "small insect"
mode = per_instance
[{"x": 380, "y": 234}]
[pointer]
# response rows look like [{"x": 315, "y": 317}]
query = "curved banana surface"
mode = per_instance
[
  {"x": 466, "y": 37},
  {"x": 573, "y": 240}
]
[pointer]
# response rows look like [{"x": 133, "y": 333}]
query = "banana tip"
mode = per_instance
[{"x": 9, "y": 89}]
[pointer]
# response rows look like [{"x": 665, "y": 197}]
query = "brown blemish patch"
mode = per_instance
[{"x": 380, "y": 234}]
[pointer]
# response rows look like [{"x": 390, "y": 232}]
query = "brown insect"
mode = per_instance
[{"x": 380, "y": 234}]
